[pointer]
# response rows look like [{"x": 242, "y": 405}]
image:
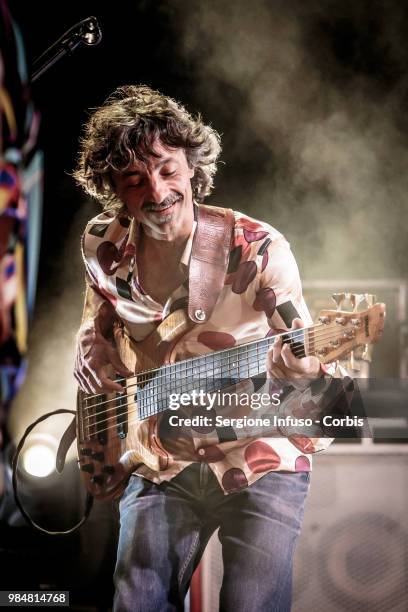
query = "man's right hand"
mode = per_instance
[{"x": 94, "y": 354}]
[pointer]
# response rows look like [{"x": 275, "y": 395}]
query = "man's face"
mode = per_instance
[{"x": 158, "y": 193}]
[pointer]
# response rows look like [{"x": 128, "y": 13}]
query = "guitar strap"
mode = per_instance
[{"x": 209, "y": 260}]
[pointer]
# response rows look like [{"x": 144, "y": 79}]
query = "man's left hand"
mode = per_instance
[{"x": 281, "y": 363}]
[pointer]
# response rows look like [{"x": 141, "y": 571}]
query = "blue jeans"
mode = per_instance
[{"x": 164, "y": 530}]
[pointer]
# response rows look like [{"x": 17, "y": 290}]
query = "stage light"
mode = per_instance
[{"x": 39, "y": 458}]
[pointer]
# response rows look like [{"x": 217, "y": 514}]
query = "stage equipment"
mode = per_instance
[
  {"x": 39, "y": 456},
  {"x": 353, "y": 549},
  {"x": 87, "y": 32}
]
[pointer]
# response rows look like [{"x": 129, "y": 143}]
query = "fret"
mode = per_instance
[
  {"x": 297, "y": 342},
  {"x": 217, "y": 365},
  {"x": 239, "y": 368},
  {"x": 233, "y": 367},
  {"x": 209, "y": 373},
  {"x": 255, "y": 367},
  {"x": 184, "y": 376}
]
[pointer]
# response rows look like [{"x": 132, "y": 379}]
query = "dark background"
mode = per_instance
[{"x": 310, "y": 99}]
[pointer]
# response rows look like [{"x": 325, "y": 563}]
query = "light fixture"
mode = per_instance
[{"x": 39, "y": 457}]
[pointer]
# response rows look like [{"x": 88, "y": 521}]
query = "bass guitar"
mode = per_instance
[{"x": 116, "y": 432}]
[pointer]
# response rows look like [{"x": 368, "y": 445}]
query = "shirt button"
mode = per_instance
[{"x": 201, "y": 451}]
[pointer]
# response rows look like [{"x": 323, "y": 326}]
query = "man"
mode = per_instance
[{"x": 149, "y": 162}]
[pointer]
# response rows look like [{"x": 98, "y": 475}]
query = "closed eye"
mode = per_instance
[{"x": 132, "y": 187}]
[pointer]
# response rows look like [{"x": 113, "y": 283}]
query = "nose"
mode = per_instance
[{"x": 157, "y": 189}]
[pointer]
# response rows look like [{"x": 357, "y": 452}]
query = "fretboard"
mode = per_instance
[{"x": 209, "y": 373}]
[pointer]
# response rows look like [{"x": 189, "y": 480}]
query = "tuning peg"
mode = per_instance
[
  {"x": 370, "y": 299},
  {"x": 339, "y": 299},
  {"x": 356, "y": 299}
]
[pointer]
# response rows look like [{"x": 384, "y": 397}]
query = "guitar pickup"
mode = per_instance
[{"x": 102, "y": 423}]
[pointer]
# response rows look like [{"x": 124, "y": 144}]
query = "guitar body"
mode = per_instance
[
  {"x": 115, "y": 434},
  {"x": 111, "y": 440}
]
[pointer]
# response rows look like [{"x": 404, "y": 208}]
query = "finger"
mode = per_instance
[
  {"x": 297, "y": 323},
  {"x": 117, "y": 363},
  {"x": 289, "y": 359},
  {"x": 270, "y": 363},
  {"x": 81, "y": 376},
  {"x": 91, "y": 373},
  {"x": 94, "y": 388},
  {"x": 109, "y": 385},
  {"x": 277, "y": 373},
  {"x": 83, "y": 385},
  {"x": 86, "y": 385},
  {"x": 276, "y": 349}
]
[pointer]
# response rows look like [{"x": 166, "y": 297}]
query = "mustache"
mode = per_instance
[{"x": 168, "y": 201}]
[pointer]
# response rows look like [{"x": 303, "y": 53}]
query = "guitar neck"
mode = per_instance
[{"x": 213, "y": 371}]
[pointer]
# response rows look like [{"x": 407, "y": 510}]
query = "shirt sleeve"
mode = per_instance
[
  {"x": 94, "y": 298},
  {"x": 280, "y": 294},
  {"x": 280, "y": 290}
]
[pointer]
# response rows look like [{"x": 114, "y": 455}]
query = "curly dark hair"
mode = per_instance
[{"x": 124, "y": 129}]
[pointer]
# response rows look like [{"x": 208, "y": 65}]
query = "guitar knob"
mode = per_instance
[
  {"x": 87, "y": 467},
  {"x": 108, "y": 469},
  {"x": 86, "y": 451},
  {"x": 98, "y": 456},
  {"x": 98, "y": 479}
]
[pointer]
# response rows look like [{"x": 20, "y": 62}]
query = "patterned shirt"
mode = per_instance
[{"x": 261, "y": 296}]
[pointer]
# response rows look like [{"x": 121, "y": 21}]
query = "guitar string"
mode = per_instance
[
  {"x": 188, "y": 377},
  {"x": 167, "y": 370},
  {"x": 165, "y": 389},
  {"x": 89, "y": 435},
  {"x": 226, "y": 350},
  {"x": 96, "y": 425},
  {"x": 204, "y": 368},
  {"x": 146, "y": 409},
  {"x": 147, "y": 373},
  {"x": 130, "y": 423}
]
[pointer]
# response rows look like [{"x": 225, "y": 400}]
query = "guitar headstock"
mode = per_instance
[{"x": 341, "y": 332}]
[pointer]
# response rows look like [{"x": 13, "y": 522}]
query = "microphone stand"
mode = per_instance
[{"x": 85, "y": 32}]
